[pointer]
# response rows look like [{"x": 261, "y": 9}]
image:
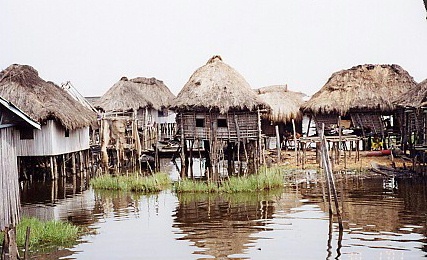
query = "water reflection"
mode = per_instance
[
  {"x": 383, "y": 218},
  {"x": 222, "y": 224}
]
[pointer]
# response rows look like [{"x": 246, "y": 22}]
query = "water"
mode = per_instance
[{"x": 383, "y": 219}]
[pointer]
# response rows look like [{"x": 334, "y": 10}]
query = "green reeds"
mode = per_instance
[
  {"x": 46, "y": 233},
  {"x": 266, "y": 179},
  {"x": 153, "y": 183}
]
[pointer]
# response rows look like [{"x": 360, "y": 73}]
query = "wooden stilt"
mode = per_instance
[
  {"x": 81, "y": 161},
  {"x": 52, "y": 170},
  {"x": 73, "y": 163},
  {"x": 183, "y": 169},
  {"x": 278, "y": 143},
  {"x": 27, "y": 243},
  {"x": 191, "y": 159},
  {"x": 10, "y": 247},
  {"x": 295, "y": 141},
  {"x": 63, "y": 174},
  {"x": 330, "y": 179}
]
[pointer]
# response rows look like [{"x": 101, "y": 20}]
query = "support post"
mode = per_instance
[
  {"x": 295, "y": 141},
  {"x": 278, "y": 143},
  {"x": 183, "y": 169}
]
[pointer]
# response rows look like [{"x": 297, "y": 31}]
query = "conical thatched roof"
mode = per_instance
[
  {"x": 415, "y": 97},
  {"x": 285, "y": 105},
  {"x": 217, "y": 86},
  {"x": 41, "y": 100},
  {"x": 363, "y": 87},
  {"x": 134, "y": 94}
]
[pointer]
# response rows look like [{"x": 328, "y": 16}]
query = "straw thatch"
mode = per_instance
[
  {"x": 415, "y": 97},
  {"x": 285, "y": 105},
  {"x": 217, "y": 86},
  {"x": 127, "y": 95},
  {"x": 41, "y": 100},
  {"x": 361, "y": 88}
]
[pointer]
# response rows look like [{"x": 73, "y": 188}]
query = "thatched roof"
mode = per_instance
[
  {"x": 363, "y": 87},
  {"x": 415, "y": 97},
  {"x": 217, "y": 86},
  {"x": 42, "y": 100},
  {"x": 134, "y": 94},
  {"x": 285, "y": 105}
]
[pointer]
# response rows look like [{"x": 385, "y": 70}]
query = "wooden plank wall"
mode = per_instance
[
  {"x": 247, "y": 124},
  {"x": 51, "y": 140},
  {"x": 9, "y": 186}
]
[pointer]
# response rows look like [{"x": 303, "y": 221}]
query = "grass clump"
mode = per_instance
[
  {"x": 154, "y": 183},
  {"x": 46, "y": 233},
  {"x": 266, "y": 179}
]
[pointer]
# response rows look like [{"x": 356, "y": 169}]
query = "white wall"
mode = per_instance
[{"x": 51, "y": 140}]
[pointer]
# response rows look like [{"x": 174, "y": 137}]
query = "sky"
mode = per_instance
[{"x": 94, "y": 43}]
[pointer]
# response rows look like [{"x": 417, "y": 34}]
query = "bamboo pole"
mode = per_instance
[
  {"x": 183, "y": 170},
  {"x": 295, "y": 141},
  {"x": 260, "y": 158},
  {"x": 278, "y": 143},
  {"x": 340, "y": 139},
  {"x": 330, "y": 179},
  {"x": 238, "y": 144},
  {"x": 27, "y": 243}
]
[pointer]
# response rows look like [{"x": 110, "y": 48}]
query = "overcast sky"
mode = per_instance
[{"x": 93, "y": 43}]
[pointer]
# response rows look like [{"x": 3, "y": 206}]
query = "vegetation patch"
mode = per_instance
[
  {"x": 46, "y": 233},
  {"x": 154, "y": 183},
  {"x": 266, "y": 179}
]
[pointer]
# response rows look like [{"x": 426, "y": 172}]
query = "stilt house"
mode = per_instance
[
  {"x": 413, "y": 111},
  {"x": 64, "y": 122},
  {"x": 12, "y": 120},
  {"x": 135, "y": 116},
  {"x": 285, "y": 107},
  {"x": 361, "y": 96},
  {"x": 218, "y": 108}
]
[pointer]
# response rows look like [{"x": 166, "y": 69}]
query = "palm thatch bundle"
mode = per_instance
[
  {"x": 42, "y": 100},
  {"x": 361, "y": 88},
  {"x": 415, "y": 97},
  {"x": 285, "y": 105},
  {"x": 217, "y": 86},
  {"x": 131, "y": 95}
]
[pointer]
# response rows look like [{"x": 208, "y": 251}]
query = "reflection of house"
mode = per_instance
[
  {"x": 134, "y": 113},
  {"x": 361, "y": 96},
  {"x": 64, "y": 121},
  {"x": 11, "y": 121},
  {"x": 221, "y": 225},
  {"x": 285, "y": 107},
  {"x": 217, "y": 107}
]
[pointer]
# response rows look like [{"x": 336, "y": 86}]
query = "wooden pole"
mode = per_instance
[
  {"x": 260, "y": 158},
  {"x": 278, "y": 143},
  {"x": 73, "y": 162},
  {"x": 331, "y": 181},
  {"x": 52, "y": 170},
  {"x": 308, "y": 127},
  {"x": 10, "y": 248},
  {"x": 27, "y": 243},
  {"x": 340, "y": 139},
  {"x": 295, "y": 141},
  {"x": 183, "y": 170},
  {"x": 328, "y": 186},
  {"x": 238, "y": 144}
]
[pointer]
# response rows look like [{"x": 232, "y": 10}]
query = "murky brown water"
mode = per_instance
[{"x": 384, "y": 219}]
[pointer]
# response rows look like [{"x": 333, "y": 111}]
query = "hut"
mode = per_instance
[
  {"x": 134, "y": 116},
  {"x": 413, "y": 111},
  {"x": 361, "y": 96},
  {"x": 217, "y": 108},
  {"x": 285, "y": 111},
  {"x": 12, "y": 120},
  {"x": 65, "y": 123}
]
